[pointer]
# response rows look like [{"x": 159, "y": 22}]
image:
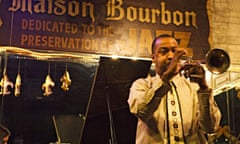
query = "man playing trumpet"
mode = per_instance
[{"x": 171, "y": 109}]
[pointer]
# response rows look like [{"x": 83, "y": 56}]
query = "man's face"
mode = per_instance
[{"x": 164, "y": 52}]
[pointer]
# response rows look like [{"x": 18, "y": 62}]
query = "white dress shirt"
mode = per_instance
[{"x": 199, "y": 112}]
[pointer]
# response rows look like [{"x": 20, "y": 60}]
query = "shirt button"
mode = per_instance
[
  {"x": 173, "y": 102},
  {"x": 175, "y": 125},
  {"x": 176, "y": 138},
  {"x": 174, "y": 113}
]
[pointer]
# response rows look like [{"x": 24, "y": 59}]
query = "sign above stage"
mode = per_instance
[{"x": 112, "y": 27}]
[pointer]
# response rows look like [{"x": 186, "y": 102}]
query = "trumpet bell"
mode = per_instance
[{"x": 217, "y": 61}]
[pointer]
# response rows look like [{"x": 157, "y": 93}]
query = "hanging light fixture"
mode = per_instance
[
  {"x": 48, "y": 84},
  {"x": 18, "y": 82},
  {"x": 5, "y": 83},
  {"x": 65, "y": 80}
]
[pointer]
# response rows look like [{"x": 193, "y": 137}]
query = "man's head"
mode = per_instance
[{"x": 163, "y": 50}]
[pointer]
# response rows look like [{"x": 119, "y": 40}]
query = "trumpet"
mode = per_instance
[{"x": 217, "y": 62}]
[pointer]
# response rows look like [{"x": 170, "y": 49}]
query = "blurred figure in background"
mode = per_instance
[{"x": 4, "y": 134}]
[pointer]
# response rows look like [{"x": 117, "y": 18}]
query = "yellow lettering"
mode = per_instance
[
  {"x": 191, "y": 16},
  {"x": 73, "y": 8},
  {"x": 37, "y": 40},
  {"x": 60, "y": 9},
  {"x": 31, "y": 24},
  {"x": 145, "y": 42},
  {"x": 166, "y": 15},
  {"x": 144, "y": 15},
  {"x": 177, "y": 18},
  {"x": 49, "y": 26},
  {"x": 16, "y": 5},
  {"x": 50, "y": 6},
  {"x": 87, "y": 44},
  {"x": 159, "y": 32},
  {"x": 71, "y": 43},
  {"x": 91, "y": 10},
  {"x": 51, "y": 41},
  {"x": 155, "y": 14},
  {"x": 24, "y": 24},
  {"x": 31, "y": 40},
  {"x": 40, "y": 7},
  {"x": 132, "y": 44},
  {"x": 184, "y": 38},
  {"x": 103, "y": 45},
  {"x": 131, "y": 14},
  {"x": 44, "y": 41},
  {"x": 113, "y": 8},
  {"x": 95, "y": 44},
  {"x": 23, "y": 39},
  {"x": 116, "y": 11}
]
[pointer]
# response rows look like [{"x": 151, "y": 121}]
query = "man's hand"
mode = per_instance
[
  {"x": 173, "y": 67},
  {"x": 196, "y": 73}
]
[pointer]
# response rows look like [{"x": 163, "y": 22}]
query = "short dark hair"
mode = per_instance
[{"x": 158, "y": 37}]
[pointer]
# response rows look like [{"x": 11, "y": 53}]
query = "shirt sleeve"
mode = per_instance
[
  {"x": 210, "y": 114},
  {"x": 142, "y": 99}
]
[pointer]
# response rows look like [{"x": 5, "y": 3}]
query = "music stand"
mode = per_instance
[
  {"x": 68, "y": 128},
  {"x": 111, "y": 88}
]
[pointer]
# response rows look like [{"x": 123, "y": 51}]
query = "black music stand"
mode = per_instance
[
  {"x": 68, "y": 128},
  {"x": 110, "y": 93}
]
